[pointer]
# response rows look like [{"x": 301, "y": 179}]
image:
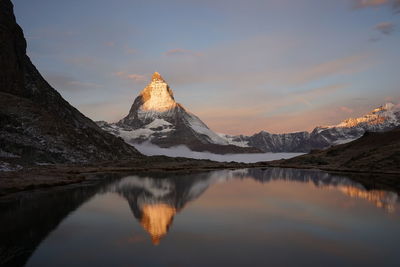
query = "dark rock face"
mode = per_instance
[
  {"x": 155, "y": 117},
  {"x": 36, "y": 123},
  {"x": 291, "y": 142},
  {"x": 382, "y": 119},
  {"x": 374, "y": 151}
]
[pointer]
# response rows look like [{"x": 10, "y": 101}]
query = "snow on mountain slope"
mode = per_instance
[
  {"x": 156, "y": 117},
  {"x": 239, "y": 140},
  {"x": 378, "y": 118},
  {"x": 383, "y": 118},
  {"x": 199, "y": 127}
]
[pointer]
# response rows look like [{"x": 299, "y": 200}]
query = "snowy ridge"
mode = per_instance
[
  {"x": 240, "y": 140},
  {"x": 156, "y": 117},
  {"x": 199, "y": 127},
  {"x": 147, "y": 132},
  {"x": 383, "y": 118},
  {"x": 378, "y": 118}
]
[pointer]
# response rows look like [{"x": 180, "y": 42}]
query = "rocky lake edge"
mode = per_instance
[{"x": 50, "y": 176}]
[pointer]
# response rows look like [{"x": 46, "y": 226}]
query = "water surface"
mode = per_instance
[{"x": 275, "y": 217}]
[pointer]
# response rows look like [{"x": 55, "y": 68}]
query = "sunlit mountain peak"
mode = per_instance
[
  {"x": 156, "y": 220},
  {"x": 157, "y": 77},
  {"x": 157, "y": 96}
]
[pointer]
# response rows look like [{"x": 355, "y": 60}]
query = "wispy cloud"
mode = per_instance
[
  {"x": 386, "y": 28},
  {"x": 109, "y": 44},
  {"x": 394, "y": 4},
  {"x": 369, "y": 3},
  {"x": 131, "y": 76},
  {"x": 373, "y": 39},
  {"x": 267, "y": 115},
  {"x": 346, "y": 109},
  {"x": 345, "y": 65},
  {"x": 67, "y": 83},
  {"x": 82, "y": 61},
  {"x": 84, "y": 84},
  {"x": 181, "y": 52},
  {"x": 136, "y": 77},
  {"x": 129, "y": 50}
]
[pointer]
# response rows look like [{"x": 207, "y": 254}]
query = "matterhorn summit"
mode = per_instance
[
  {"x": 157, "y": 118},
  {"x": 157, "y": 96},
  {"x": 155, "y": 101}
]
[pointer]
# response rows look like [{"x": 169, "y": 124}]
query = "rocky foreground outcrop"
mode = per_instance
[
  {"x": 374, "y": 152},
  {"x": 36, "y": 124}
]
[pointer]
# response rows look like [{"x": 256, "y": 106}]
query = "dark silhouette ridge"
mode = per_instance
[{"x": 36, "y": 123}]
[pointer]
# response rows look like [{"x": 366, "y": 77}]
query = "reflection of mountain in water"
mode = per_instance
[
  {"x": 154, "y": 201},
  {"x": 380, "y": 198}
]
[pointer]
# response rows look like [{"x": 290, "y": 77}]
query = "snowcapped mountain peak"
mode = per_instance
[
  {"x": 385, "y": 107},
  {"x": 157, "y": 77},
  {"x": 157, "y": 96},
  {"x": 155, "y": 117},
  {"x": 385, "y": 114}
]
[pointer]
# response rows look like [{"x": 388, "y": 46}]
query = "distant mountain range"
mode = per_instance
[
  {"x": 155, "y": 201},
  {"x": 381, "y": 119},
  {"x": 38, "y": 126},
  {"x": 377, "y": 152},
  {"x": 24, "y": 229},
  {"x": 155, "y": 117}
]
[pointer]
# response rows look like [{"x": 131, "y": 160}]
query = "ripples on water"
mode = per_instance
[{"x": 230, "y": 217}]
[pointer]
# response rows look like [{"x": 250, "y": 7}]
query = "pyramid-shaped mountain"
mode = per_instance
[{"x": 156, "y": 117}]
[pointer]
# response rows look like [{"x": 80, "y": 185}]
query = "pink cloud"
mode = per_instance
[
  {"x": 346, "y": 109},
  {"x": 130, "y": 51},
  {"x": 346, "y": 65},
  {"x": 284, "y": 123},
  {"x": 385, "y": 27},
  {"x": 109, "y": 44},
  {"x": 369, "y": 3},
  {"x": 394, "y": 4},
  {"x": 137, "y": 77},
  {"x": 131, "y": 76},
  {"x": 181, "y": 52}
]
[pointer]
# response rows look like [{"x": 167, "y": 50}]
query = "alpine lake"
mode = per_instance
[{"x": 248, "y": 217}]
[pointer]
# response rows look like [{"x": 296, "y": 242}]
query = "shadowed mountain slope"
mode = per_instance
[
  {"x": 36, "y": 124},
  {"x": 374, "y": 151},
  {"x": 156, "y": 117}
]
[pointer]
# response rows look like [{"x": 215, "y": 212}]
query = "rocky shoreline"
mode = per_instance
[{"x": 37, "y": 177}]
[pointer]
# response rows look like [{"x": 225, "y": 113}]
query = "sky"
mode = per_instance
[{"x": 241, "y": 66}]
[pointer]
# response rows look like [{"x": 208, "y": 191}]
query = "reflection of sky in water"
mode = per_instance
[{"x": 227, "y": 218}]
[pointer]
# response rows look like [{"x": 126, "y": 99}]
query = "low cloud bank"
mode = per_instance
[{"x": 183, "y": 151}]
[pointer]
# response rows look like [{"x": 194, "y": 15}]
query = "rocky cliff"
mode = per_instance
[
  {"x": 36, "y": 124},
  {"x": 381, "y": 119},
  {"x": 156, "y": 117}
]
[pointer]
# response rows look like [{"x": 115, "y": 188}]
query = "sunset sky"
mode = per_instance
[{"x": 241, "y": 66}]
